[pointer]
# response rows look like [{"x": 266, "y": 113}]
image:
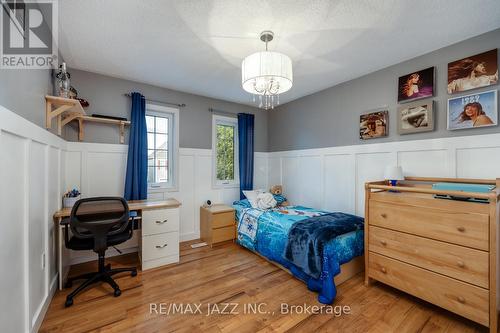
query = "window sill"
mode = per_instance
[
  {"x": 222, "y": 186},
  {"x": 161, "y": 189}
]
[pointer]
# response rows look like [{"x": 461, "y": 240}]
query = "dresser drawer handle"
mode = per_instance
[
  {"x": 162, "y": 222},
  {"x": 384, "y": 215},
  {"x": 460, "y": 264},
  {"x": 461, "y": 229},
  {"x": 383, "y": 242},
  {"x": 161, "y": 246},
  {"x": 383, "y": 270},
  {"x": 461, "y": 299}
]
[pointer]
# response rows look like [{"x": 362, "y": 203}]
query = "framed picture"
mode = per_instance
[
  {"x": 416, "y": 117},
  {"x": 480, "y": 70},
  {"x": 374, "y": 125},
  {"x": 416, "y": 85},
  {"x": 473, "y": 111}
]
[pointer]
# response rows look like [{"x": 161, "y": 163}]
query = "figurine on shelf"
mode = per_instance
[{"x": 62, "y": 82}]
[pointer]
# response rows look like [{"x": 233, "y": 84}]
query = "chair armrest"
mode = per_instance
[{"x": 64, "y": 221}]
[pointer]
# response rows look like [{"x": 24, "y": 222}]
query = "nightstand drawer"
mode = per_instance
[
  {"x": 159, "y": 221},
  {"x": 158, "y": 246},
  {"x": 458, "y": 262},
  {"x": 222, "y": 220},
  {"x": 467, "y": 300},
  {"x": 467, "y": 229},
  {"x": 223, "y": 234}
]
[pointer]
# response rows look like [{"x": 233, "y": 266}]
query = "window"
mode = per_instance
[
  {"x": 162, "y": 145},
  {"x": 225, "y": 148}
]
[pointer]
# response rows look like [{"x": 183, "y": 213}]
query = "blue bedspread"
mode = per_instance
[
  {"x": 266, "y": 232},
  {"x": 307, "y": 238}
]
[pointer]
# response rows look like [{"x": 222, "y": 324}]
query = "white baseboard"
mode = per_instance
[
  {"x": 189, "y": 236},
  {"x": 40, "y": 315}
]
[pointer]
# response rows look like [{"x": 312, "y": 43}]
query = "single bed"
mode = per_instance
[{"x": 266, "y": 232}]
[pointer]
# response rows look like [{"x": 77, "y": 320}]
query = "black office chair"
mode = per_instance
[{"x": 96, "y": 224}]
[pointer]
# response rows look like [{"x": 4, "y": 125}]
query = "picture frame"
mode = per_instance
[
  {"x": 416, "y": 117},
  {"x": 374, "y": 124},
  {"x": 416, "y": 85},
  {"x": 477, "y": 71},
  {"x": 473, "y": 111}
]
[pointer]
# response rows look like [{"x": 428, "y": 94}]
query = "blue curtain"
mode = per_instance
[
  {"x": 136, "y": 181},
  {"x": 245, "y": 151}
]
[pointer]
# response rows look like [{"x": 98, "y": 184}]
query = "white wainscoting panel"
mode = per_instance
[
  {"x": 478, "y": 162},
  {"x": 346, "y": 169},
  {"x": 30, "y": 172},
  {"x": 425, "y": 163},
  {"x": 369, "y": 167},
  {"x": 339, "y": 172}
]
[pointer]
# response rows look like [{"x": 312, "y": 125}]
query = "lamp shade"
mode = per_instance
[
  {"x": 266, "y": 73},
  {"x": 393, "y": 173}
]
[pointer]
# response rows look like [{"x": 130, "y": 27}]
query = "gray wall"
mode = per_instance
[
  {"x": 23, "y": 91},
  {"x": 105, "y": 95},
  {"x": 331, "y": 117}
]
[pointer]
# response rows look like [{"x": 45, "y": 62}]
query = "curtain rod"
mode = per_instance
[
  {"x": 223, "y": 112},
  {"x": 161, "y": 102}
]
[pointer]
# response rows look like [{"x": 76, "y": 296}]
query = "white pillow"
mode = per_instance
[
  {"x": 266, "y": 201},
  {"x": 252, "y": 197}
]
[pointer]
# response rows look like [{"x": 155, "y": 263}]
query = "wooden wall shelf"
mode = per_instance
[{"x": 67, "y": 110}]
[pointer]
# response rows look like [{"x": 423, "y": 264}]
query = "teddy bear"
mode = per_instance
[{"x": 278, "y": 190}]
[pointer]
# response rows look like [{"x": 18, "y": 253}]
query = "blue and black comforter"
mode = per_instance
[{"x": 311, "y": 243}]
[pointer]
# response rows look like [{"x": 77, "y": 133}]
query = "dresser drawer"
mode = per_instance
[
  {"x": 464, "y": 299},
  {"x": 158, "y": 221},
  {"x": 223, "y": 234},
  {"x": 468, "y": 229},
  {"x": 158, "y": 246},
  {"x": 222, "y": 220},
  {"x": 459, "y": 262}
]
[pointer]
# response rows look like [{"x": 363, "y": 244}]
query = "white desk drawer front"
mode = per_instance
[
  {"x": 159, "y": 221},
  {"x": 158, "y": 246}
]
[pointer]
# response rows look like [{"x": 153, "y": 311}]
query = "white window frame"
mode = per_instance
[
  {"x": 230, "y": 121},
  {"x": 173, "y": 148}
]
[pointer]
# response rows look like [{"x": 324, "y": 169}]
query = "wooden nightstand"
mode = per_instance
[{"x": 217, "y": 224}]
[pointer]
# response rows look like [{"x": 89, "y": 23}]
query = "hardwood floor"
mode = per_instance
[{"x": 228, "y": 274}]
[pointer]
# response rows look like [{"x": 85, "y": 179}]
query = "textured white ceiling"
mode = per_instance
[{"x": 197, "y": 46}]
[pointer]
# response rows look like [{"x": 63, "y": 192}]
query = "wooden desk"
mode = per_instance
[{"x": 159, "y": 221}]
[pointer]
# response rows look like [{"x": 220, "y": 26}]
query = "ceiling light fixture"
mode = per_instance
[{"x": 267, "y": 74}]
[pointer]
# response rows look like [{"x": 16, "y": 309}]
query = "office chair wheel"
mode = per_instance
[
  {"x": 133, "y": 273},
  {"x": 69, "y": 302},
  {"x": 118, "y": 292}
]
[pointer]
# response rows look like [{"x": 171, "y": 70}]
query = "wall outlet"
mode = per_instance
[{"x": 43, "y": 261}]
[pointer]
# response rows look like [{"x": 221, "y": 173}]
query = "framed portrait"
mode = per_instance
[
  {"x": 416, "y": 85},
  {"x": 416, "y": 117},
  {"x": 473, "y": 111},
  {"x": 374, "y": 125},
  {"x": 480, "y": 70}
]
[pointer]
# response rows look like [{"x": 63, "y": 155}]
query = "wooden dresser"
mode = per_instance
[
  {"x": 217, "y": 224},
  {"x": 442, "y": 251}
]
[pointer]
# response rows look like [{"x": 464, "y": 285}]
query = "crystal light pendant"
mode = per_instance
[{"x": 267, "y": 74}]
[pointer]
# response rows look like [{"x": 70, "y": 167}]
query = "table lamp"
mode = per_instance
[{"x": 393, "y": 174}]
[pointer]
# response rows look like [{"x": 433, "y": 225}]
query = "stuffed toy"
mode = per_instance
[{"x": 278, "y": 190}]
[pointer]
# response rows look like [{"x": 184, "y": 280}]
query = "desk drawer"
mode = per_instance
[
  {"x": 158, "y": 221},
  {"x": 223, "y": 234},
  {"x": 158, "y": 246},
  {"x": 456, "y": 296},
  {"x": 459, "y": 262},
  {"x": 222, "y": 220},
  {"x": 468, "y": 229}
]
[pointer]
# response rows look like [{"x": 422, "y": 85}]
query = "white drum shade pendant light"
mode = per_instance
[{"x": 267, "y": 74}]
